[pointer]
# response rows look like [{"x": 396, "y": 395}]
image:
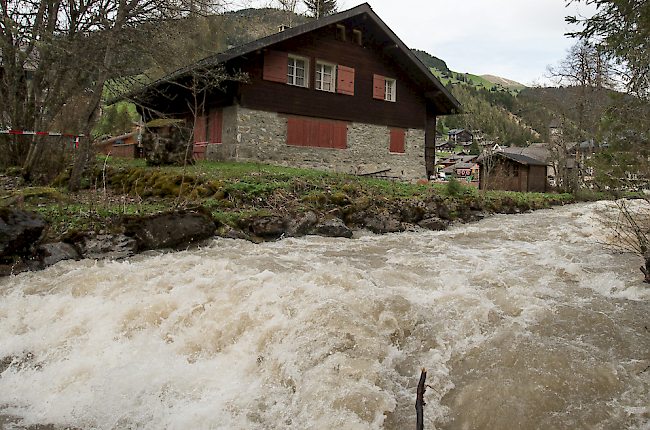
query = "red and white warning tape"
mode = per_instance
[{"x": 40, "y": 133}]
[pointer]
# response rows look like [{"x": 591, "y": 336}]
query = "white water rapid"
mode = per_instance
[{"x": 522, "y": 322}]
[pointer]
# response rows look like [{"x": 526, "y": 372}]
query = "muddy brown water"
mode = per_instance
[{"x": 522, "y": 321}]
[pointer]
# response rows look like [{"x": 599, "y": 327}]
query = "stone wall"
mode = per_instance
[{"x": 257, "y": 136}]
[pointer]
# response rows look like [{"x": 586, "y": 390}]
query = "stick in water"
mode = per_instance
[{"x": 419, "y": 402}]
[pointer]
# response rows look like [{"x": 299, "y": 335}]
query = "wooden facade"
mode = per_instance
[
  {"x": 513, "y": 172},
  {"x": 358, "y": 105},
  {"x": 322, "y": 76}
]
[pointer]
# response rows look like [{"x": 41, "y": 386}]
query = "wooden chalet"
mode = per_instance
[
  {"x": 512, "y": 172},
  {"x": 460, "y": 136},
  {"x": 342, "y": 93},
  {"x": 462, "y": 170},
  {"x": 122, "y": 146}
]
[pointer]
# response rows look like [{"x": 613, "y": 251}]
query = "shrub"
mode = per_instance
[{"x": 453, "y": 188}]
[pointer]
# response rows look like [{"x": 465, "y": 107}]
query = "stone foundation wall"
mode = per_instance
[{"x": 257, "y": 136}]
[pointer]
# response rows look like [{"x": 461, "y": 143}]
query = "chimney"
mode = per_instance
[{"x": 282, "y": 27}]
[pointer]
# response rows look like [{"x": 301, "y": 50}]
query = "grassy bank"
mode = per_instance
[{"x": 233, "y": 191}]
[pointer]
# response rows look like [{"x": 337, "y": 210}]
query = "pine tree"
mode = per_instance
[{"x": 321, "y": 8}]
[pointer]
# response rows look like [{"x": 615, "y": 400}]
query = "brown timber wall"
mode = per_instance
[
  {"x": 537, "y": 179},
  {"x": 407, "y": 112}
]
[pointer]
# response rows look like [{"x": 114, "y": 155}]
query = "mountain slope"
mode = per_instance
[{"x": 508, "y": 83}]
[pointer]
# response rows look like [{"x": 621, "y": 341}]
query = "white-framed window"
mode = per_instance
[
  {"x": 325, "y": 76},
  {"x": 298, "y": 71},
  {"x": 389, "y": 95}
]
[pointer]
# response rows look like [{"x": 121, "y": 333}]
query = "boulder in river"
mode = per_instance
[
  {"x": 19, "y": 231},
  {"x": 384, "y": 223},
  {"x": 333, "y": 227},
  {"x": 174, "y": 229}
]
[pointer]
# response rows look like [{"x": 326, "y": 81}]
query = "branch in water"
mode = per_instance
[{"x": 419, "y": 402}]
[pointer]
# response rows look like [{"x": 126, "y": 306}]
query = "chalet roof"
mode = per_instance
[
  {"x": 457, "y": 131},
  {"x": 540, "y": 153},
  {"x": 112, "y": 140},
  {"x": 454, "y": 167},
  {"x": 421, "y": 75},
  {"x": 522, "y": 159},
  {"x": 459, "y": 158}
]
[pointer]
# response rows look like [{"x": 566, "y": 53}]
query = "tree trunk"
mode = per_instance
[
  {"x": 80, "y": 157},
  {"x": 646, "y": 270},
  {"x": 33, "y": 156}
]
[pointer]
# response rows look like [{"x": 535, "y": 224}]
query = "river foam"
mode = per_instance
[{"x": 522, "y": 321}]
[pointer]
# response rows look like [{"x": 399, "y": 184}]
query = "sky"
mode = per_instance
[{"x": 513, "y": 39}]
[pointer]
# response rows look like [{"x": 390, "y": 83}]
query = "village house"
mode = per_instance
[
  {"x": 122, "y": 146},
  {"x": 511, "y": 172},
  {"x": 342, "y": 93},
  {"x": 460, "y": 136},
  {"x": 446, "y": 146},
  {"x": 469, "y": 171}
]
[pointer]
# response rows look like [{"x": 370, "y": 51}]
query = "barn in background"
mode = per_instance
[{"x": 512, "y": 172}]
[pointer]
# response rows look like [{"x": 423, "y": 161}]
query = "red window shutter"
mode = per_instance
[
  {"x": 378, "y": 87},
  {"x": 302, "y": 132},
  {"x": 345, "y": 80},
  {"x": 216, "y": 126},
  {"x": 313, "y": 133},
  {"x": 325, "y": 134},
  {"x": 199, "y": 129},
  {"x": 339, "y": 136},
  {"x": 275, "y": 66},
  {"x": 397, "y": 138},
  {"x": 295, "y": 132}
]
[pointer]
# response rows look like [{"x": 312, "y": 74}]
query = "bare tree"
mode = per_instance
[
  {"x": 488, "y": 159},
  {"x": 320, "y": 8},
  {"x": 629, "y": 225},
  {"x": 62, "y": 52},
  {"x": 587, "y": 76},
  {"x": 289, "y": 9}
]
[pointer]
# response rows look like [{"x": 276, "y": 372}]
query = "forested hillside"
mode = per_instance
[
  {"x": 492, "y": 113},
  {"x": 507, "y": 116}
]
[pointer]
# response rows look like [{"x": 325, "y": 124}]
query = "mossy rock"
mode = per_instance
[
  {"x": 339, "y": 199},
  {"x": 61, "y": 180},
  {"x": 187, "y": 179},
  {"x": 204, "y": 191},
  {"x": 13, "y": 171},
  {"x": 315, "y": 198},
  {"x": 39, "y": 193},
  {"x": 216, "y": 185},
  {"x": 350, "y": 189},
  {"x": 151, "y": 179}
]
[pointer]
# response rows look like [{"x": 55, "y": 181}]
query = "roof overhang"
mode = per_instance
[{"x": 433, "y": 90}]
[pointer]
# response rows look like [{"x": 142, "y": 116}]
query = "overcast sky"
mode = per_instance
[{"x": 514, "y": 39}]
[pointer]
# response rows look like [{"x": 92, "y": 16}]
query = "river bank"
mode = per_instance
[{"x": 128, "y": 208}]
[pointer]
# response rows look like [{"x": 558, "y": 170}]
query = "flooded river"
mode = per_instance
[{"x": 522, "y": 321}]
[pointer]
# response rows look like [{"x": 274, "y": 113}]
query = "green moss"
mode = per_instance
[
  {"x": 13, "y": 171},
  {"x": 339, "y": 199},
  {"x": 315, "y": 198},
  {"x": 216, "y": 185}
]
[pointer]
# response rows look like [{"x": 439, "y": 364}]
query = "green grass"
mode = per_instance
[{"x": 232, "y": 191}]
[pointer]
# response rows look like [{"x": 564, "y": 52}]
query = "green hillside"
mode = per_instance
[{"x": 501, "y": 113}]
